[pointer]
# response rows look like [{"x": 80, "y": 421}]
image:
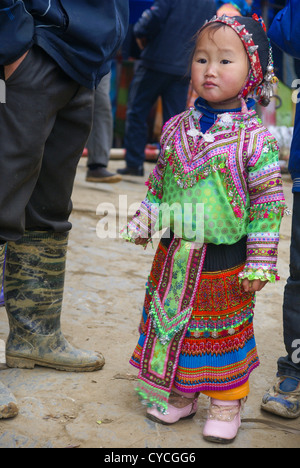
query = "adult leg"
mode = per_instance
[
  {"x": 290, "y": 365},
  {"x": 47, "y": 168},
  {"x": 283, "y": 398},
  {"x": 174, "y": 96},
  {"x": 35, "y": 268},
  {"x": 100, "y": 140},
  {"x": 24, "y": 128},
  {"x": 146, "y": 87},
  {"x": 23, "y": 131},
  {"x": 50, "y": 203}
]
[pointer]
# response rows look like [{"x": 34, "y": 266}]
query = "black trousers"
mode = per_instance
[
  {"x": 290, "y": 364},
  {"x": 44, "y": 126}
]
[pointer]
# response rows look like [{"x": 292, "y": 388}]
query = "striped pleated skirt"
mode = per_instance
[{"x": 219, "y": 351}]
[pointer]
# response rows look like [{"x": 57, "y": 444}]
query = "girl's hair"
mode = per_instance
[{"x": 211, "y": 29}]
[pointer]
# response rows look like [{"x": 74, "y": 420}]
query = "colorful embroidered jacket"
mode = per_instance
[{"x": 217, "y": 187}]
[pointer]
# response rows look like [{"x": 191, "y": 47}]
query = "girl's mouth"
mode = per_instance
[{"x": 209, "y": 84}]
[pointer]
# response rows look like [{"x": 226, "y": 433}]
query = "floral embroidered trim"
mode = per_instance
[
  {"x": 262, "y": 251},
  {"x": 221, "y": 326},
  {"x": 262, "y": 273},
  {"x": 268, "y": 210}
]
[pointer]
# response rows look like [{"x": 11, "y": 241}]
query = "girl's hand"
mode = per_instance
[
  {"x": 253, "y": 286},
  {"x": 141, "y": 241}
]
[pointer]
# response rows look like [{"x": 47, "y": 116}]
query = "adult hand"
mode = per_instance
[
  {"x": 253, "y": 286},
  {"x": 141, "y": 42},
  {"x": 10, "y": 69}
]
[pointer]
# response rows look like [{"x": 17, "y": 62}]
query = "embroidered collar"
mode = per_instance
[
  {"x": 204, "y": 108},
  {"x": 210, "y": 115},
  {"x": 232, "y": 120}
]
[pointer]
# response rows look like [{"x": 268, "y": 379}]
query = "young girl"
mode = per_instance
[{"x": 197, "y": 324}]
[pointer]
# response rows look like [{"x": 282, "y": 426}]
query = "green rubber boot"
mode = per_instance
[
  {"x": 8, "y": 403},
  {"x": 33, "y": 290}
]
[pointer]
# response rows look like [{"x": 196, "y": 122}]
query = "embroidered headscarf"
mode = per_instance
[{"x": 252, "y": 32}]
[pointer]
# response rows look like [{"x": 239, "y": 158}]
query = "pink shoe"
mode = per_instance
[
  {"x": 174, "y": 414},
  {"x": 224, "y": 421}
]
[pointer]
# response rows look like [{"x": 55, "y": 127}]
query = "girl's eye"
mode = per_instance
[
  {"x": 201, "y": 60},
  {"x": 225, "y": 62}
]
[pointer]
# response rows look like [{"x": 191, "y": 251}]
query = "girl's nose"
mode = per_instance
[{"x": 210, "y": 70}]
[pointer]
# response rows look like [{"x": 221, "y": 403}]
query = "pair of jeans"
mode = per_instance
[
  {"x": 290, "y": 364},
  {"x": 44, "y": 126},
  {"x": 147, "y": 86}
]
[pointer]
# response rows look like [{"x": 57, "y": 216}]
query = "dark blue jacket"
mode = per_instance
[
  {"x": 285, "y": 32},
  {"x": 80, "y": 35},
  {"x": 169, "y": 27},
  {"x": 136, "y": 9}
]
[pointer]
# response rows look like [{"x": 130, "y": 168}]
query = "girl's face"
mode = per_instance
[{"x": 220, "y": 67}]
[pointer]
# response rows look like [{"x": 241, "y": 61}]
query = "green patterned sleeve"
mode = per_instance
[{"x": 267, "y": 207}]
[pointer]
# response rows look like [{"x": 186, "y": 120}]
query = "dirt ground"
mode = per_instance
[{"x": 103, "y": 299}]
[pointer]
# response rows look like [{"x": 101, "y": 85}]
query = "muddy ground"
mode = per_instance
[{"x": 103, "y": 299}]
